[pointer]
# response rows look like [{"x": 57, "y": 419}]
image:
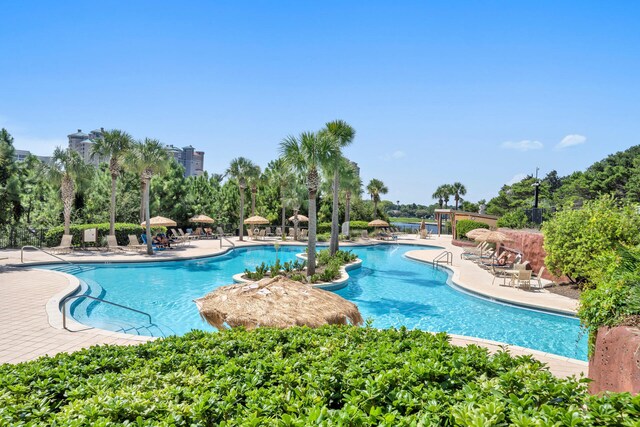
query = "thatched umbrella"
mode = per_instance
[
  {"x": 477, "y": 232},
  {"x": 378, "y": 223},
  {"x": 422, "y": 226},
  {"x": 160, "y": 221},
  {"x": 255, "y": 220},
  {"x": 301, "y": 218},
  {"x": 278, "y": 303},
  {"x": 493, "y": 237},
  {"x": 202, "y": 219}
]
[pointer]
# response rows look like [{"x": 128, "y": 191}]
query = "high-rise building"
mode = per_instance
[
  {"x": 21, "y": 156},
  {"x": 192, "y": 160},
  {"x": 83, "y": 143}
]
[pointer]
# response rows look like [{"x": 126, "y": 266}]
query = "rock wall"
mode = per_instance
[
  {"x": 529, "y": 244},
  {"x": 615, "y": 364}
]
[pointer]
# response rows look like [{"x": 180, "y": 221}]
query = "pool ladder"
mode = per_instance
[
  {"x": 64, "y": 301},
  {"x": 445, "y": 257}
]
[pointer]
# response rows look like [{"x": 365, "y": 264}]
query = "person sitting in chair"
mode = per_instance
[{"x": 161, "y": 239}]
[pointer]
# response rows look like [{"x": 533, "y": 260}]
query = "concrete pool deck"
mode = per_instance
[{"x": 29, "y": 329}]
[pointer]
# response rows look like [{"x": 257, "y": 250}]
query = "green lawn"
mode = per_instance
[{"x": 409, "y": 219}]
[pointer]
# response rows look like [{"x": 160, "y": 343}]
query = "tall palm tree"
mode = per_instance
[
  {"x": 279, "y": 174},
  {"x": 375, "y": 188},
  {"x": 342, "y": 135},
  {"x": 308, "y": 153},
  {"x": 239, "y": 169},
  {"x": 457, "y": 189},
  {"x": 351, "y": 183},
  {"x": 147, "y": 158},
  {"x": 68, "y": 170},
  {"x": 440, "y": 194},
  {"x": 254, "y": 178},
  {"x": 446, "y": 193},
  {"x": 113, "y": 144}
]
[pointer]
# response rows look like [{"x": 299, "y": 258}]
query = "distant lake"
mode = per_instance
[{"x": 415, "y": 226}]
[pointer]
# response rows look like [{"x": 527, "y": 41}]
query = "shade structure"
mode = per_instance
[
  {"x": 301, "y": 218},
  {"x": 278, "y": 303},
  {"x": 256, "y": 220},
  {"x": 159, "y": 221},
  {"x": 493, "y": 237},
  {"x": 202, "y": 219},
  {"x": 378, "y": 223},
  {"x": 477, "y": 232}
]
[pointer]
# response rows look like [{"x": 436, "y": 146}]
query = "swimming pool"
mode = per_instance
[{"x": 389, "y": 289}]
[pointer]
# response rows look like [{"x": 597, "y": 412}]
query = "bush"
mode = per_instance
[
  {"x": 324, "y": 237},
  {"x": 333, "y": 375},
  {"x": 54, "y": 235},
  {"x": 466, "y": 225},
  {"x": 514, "y": 219},
  {"x": 325, "y": 227},
  {"x": 575, "y": 239}
]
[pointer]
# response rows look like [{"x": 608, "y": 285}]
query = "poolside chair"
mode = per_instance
[
  {"x": 112, "y": 244},
  {"x": 65, "y": 245},
  {"x": 135, "y": 245},
  {"x": 522, "y": 279},
  {"x": 250, "y": 233},
  {"x": 304, "y": 234},
  {"x": 423, "y": 233},
  {"x": 278, "y": 232},
  {"x": 539, "y": 278},
  {"x": 365, "y": 235},
  {"x": 197, "y": 233},
  {"x": 143, "y": 237},
  {"x": 499, "y": 273}
]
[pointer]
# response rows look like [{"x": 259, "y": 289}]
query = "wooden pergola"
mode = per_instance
[{"x": 455, "y": 216}]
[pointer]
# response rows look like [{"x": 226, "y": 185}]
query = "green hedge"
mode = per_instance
[
  {"x": 330, "y": 376},
  {"x": 325, "y": 227},
  {"x": 466, "y": 225},
  {"x": 54, "y": 235}
]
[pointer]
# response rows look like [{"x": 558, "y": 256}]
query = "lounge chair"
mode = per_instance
[
  {"x": 278, "y": 232},
  {"x": 499, "y": 273},
  {"x": 522, "y": 279},
  {"x": 143, "y": 237},
  {"x": 112, "y": 244},
  {"x": 65, "y": 245},
  {"x": 250, "y": 233},
  {"x": 304, "y": 234},
  {"x": 539, "y": 278},
  {"x": 365, "y": 235},
  {"x": 135, "y": 245}
]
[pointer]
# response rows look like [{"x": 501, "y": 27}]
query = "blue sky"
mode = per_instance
[{"x": 476, "y": 91}]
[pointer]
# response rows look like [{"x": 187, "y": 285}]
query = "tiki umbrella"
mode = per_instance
[
  {"x": 277, "y": 303},
  {"x": 421, "y": 225},
  {"x": 255, "y": 220},
  {"x": 493, "y": 237},
  {"x": 477, "y": 232},
  {"x": 378, "y": 223},
  {"x": 159, "y": 221},
  {"x": 202, "y": 219},
  {"x": 301, "y": 218}
]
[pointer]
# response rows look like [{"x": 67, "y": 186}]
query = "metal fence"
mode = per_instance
[{"x": 17, "y": 237}]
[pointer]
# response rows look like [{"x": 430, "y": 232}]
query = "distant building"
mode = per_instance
[
  {"x": 83, "y": 143},
  {"x": 21, "y": 156},
  {"x": 192, "y": 160}
]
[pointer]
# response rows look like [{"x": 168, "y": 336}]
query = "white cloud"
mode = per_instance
[
  {"x": 398, "y": 154},
  {"x": 516, "y": 178},
  {"x": 570, "y": 141},
  {"x": 524, "y": 145}
]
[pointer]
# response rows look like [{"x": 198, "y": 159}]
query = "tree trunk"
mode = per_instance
[
  {"x": 67, "y": 191},
  {"x": 148, "y": 217},
  {"x": 457, "y": 199},
  {"x": 241, "y": 226},
  {"x": 335, "y": 233},
  {"x": 347, "y": 211},
  {"x": 284, "y": 214},
  {"x": 253, "y": 200},
  {"x": 295, "y": 225},
  {"x": 142, "y": 204},
  {"x": 112, "y": 217},
  {"x": 311, "y": 246},
  {"x": 375, "y": 209}
]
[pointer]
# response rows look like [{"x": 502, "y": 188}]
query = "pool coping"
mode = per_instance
[{"x": 54, "y": 312}]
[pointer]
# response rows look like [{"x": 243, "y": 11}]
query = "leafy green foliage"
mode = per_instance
[
  {"x": 54, "y": 235},
  {"x": 297, "y": 377},
  {"x": 466, "y": 225},
  {"x": 514, "y": 219},
  {"x": 575, "y": 239}
]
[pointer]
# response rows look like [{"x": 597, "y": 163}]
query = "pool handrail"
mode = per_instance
[
  {"x": 41, "y": 250},
  {"x": 446, "y": 257},
  {"x": 64, "y": 301}
]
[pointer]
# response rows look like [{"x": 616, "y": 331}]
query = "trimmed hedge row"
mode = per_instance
[
  {"x": 330, "y": 376},
  {"x": 354, "y": 226},
  {"x": 54, "y": 235},
  {"x": 466, "y": 225}
]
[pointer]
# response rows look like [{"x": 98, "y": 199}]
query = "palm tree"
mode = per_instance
[
  {"x": 254, "y": 178},
  {"x": 308, "y": 153},
  {"x": 113, "y": 144},
  {"x": 342, "y": 134},
  {"x": 147, "y": 159},
  {"x": 351, "y": 183},
  {"x": 446, "y": 192},
  {"x": 239, "y": 169},
  {"x": 458, "y": 190},
  {"x": 279, "y": 174},
  {"x": 295, "y": 197},
  {"x": 68, "y": 170},
  {"x": 442, "y": 194},
  {"x": 375, "y": 188}
]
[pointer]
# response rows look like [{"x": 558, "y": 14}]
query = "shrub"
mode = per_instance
[
  {"x": 575, "y": 239},
  {"x": 331, "y": 271},
  {"x": 466, "y": 225},
  {"x": 324, "y": 237},
  {"x": 514, "y": 219},
  {"x": 54, "y": 235},
  {"x": 325, "y": 227},
  {"x": 333, "y": 375}
]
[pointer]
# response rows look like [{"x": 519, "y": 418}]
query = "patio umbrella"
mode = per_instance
[
  {"x": 279, "y": 303},
  {"x": 203, "y": 219},
  {"x": 159, "y": 221},
  {"x": 254, "y": 220},
  {"x": 493, "y": 237},
  {"x": 378, "y": 223},
  {"x": 301, "y": 218},
  {"x": 477, "y": 232}
]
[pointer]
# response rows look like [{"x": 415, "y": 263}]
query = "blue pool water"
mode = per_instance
[{"x": 389, "y": 288}]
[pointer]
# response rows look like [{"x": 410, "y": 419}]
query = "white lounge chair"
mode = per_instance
[
  {"x": 134, "y": 244},
  {"x": 65, "y": 245},
  {"x": 112, "y": 244}
]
